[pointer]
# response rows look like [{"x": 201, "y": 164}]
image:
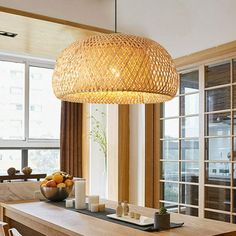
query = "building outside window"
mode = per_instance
[{"x": 29, "y": 115}]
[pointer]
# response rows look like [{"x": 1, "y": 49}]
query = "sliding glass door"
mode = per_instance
[
  {"x": 198, "y": 143},
  {"x": 180, "y": 147}
]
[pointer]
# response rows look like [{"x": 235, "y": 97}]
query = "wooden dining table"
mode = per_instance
[{"x": 36, "y": 218}]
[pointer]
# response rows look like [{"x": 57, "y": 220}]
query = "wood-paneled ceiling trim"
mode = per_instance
[
  {"x": 38, "y": 38},
  {"x": 54, "y": 20}
]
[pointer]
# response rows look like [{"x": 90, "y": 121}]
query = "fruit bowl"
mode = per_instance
[
  {"x": 57, "y": 187},
  {"x": 56, "y": 194}
]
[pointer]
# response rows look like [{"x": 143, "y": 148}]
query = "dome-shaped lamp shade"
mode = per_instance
[{"x": 115, "y": 68}]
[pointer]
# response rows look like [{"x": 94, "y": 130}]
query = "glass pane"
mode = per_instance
[
  {"x": 218, "y": 149},
  {"x": 12, "y": 76},
  {"x": 234, "y": 96},
  {"x": 234, "y": 199},
  {"x": 44, "y": 161},
  {"x": 234, "y": 123},
  {"x": 44, "y": 107},
  {"x": 9, "y": 158},
  {"x": 217, "y": 75},
  {"x": 171, "y": 108},
  {"x": 218, "y": 173},
  {"x": 170, "y": 150},
  {"x": 217, "y": 198},
  {"x": 189, "y": 149},
  {"x": 169, "y": 192},
  {"x": 234, "y": 219},
  {"x": 218, "y": 124},
  {"x": 189, "y": 171},
  {"x": 170, "y": 128},
  {"x": 234, "y": 151},
  {"x": 170, "y": 170},
  {"x": 234, "y": 178},
  {"x": 234, "y": 70},
  {"x": 189, "y": 104},
  {"x": 218, "y": 99},
  {"x": 190, "y": 127},
  {"x": 189, "y": 194},
  {"x": 189, "y": 82},
  {"x": 217, "y": 216},
  {"x": 98, "y": 150},
  {"x": 188, "y": 211}
]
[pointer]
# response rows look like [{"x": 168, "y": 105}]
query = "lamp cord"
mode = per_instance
[{"x": 115, "y": 16}]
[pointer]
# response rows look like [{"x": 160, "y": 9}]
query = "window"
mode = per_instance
[
  {"x": 98, "y": 150},
  {"x": 198, "y": 144},
  {"x": 29, "y": 116},
  {"x": 12, "y": 105},
  {"x": 218, "y": 141},
  {"x": 9, "y": 158},
  {"x": 180, "y": 147},
  {"x": 44, "y": 113}
]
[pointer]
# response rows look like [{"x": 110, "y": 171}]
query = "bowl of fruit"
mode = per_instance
[{"x": 57, "y": 187}]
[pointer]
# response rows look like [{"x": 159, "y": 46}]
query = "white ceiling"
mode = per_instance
[
  {"x": 98, "y": 13},
  {"x": 181, "y": 26}
]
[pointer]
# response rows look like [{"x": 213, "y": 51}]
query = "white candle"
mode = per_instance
[
  {"x": 93, "y": 199},
  {"x": 80, "y": 195},
  {"x": 94, "y": 207},
  {"x": 69, "y": 203}
]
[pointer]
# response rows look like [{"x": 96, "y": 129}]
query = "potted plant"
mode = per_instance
[{"x": 162, "y": 219}]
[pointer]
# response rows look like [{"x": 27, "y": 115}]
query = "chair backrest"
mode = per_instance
[
  {"x": 6, "y": 231},
  {"x": 14, "y": 232},
  {"x": 4, "y": 227}
]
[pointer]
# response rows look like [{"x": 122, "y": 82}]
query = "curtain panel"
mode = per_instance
[{"x": 71, "y": 138}]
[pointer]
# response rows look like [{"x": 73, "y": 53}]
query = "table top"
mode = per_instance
[{"x": 73, "y": 223}]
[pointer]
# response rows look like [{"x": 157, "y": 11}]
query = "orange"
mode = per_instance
[
  {"x": 68, "y": 182},
  {"x": 57, "y": 178}
]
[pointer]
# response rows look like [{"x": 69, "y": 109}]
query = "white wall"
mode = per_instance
[
  {"x": 181, "y": 26},
  {"x": 98, "y": 13}
]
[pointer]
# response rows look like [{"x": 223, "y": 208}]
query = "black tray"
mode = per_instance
[{"x": 103, "y": 216}]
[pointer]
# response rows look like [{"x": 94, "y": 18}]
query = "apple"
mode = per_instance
[{"x": 51, "y": 183}]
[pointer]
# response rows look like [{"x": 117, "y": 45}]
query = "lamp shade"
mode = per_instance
[{"x": 115, "y": 68}]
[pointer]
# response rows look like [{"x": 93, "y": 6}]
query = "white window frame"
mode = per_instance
[{"x": 28, "y": 143}]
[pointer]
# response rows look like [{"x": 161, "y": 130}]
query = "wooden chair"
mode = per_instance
[
  {"x": 6, "y": 231},
  {"x": 4, "y": 227}
]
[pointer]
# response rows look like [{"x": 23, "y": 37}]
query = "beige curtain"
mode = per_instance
[{"x": 71, "y": 138}]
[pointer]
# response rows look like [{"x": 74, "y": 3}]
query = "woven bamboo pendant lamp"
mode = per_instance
[{"x": 115, "y": 68}]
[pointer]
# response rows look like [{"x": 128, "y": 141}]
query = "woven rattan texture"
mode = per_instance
[{"x": 115, "y": 68}]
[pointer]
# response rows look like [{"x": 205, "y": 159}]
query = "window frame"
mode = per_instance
[
  {"x": 179, "y": 161},
  {"x": 28, "y": 143},
  {"x": 201, "y": 67}
]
